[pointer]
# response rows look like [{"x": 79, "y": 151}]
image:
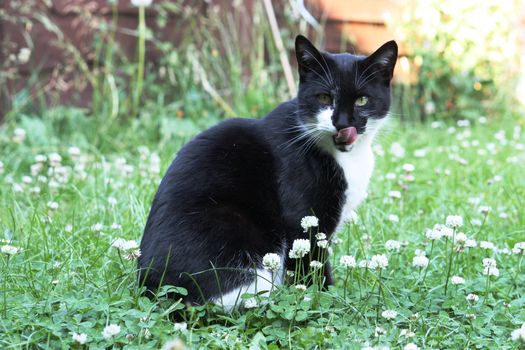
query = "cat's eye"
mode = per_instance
[
  {"x": 361, "y": 101},
  {"x": 324, "y": 99}
]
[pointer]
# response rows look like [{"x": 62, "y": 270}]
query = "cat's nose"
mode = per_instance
[{"x": 342, "y": 121}]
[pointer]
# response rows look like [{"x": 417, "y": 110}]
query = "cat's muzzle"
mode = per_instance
[{"x": 346, "y": 136}]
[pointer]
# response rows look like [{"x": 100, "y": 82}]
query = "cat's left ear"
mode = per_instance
[{"x": 383, "y": 60}]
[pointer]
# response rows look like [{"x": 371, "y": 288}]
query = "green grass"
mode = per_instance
[{"x": 68, "y": 279}]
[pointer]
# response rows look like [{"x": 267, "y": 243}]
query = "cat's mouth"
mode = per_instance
[{"x": 346, "y": 136}]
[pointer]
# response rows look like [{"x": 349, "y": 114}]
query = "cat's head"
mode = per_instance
[{"x": 343, "y": 98}]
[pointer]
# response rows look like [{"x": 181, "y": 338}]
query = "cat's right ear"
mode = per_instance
[{"x": 308, "y": 57}]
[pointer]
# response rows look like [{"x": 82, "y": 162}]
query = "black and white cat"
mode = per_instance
[{"x": 239, "y": 190}]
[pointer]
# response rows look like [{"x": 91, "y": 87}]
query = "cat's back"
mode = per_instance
[{"x": 229, "y": 164}]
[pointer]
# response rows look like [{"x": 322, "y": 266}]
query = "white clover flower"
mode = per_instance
[
  {"x": 250, "y": 303},
  {"x": 180, "y": 326},
  {"x": 390, "y": 176},
  {"x": 320, "y": 236},
  {"x": 55, "y": 159},
  {"x": 519, "y": 248},
  {"x": 519, "y": 334},
  {"x": 34, "y": 190},
  {"x": 52, "y": 205},
  {"x": 420, "y": 153},
  {"x": 132, "y": 254},
  {"x": 347, "y": 261},
  {"x": 489, "y": 262},
  {"x": 27, "y": 179},
  {"x": 487, "y": 245},
  {"x": 271, "y": 262},
  {"x": 40, "y": 158},
  {"x": 9, "y": 249},
  {"x": 309, "y": 221},
  {"x": 433, "y": 235},
  {"x": 409, "y": 168},
  {"x": 411, "y": 346},
  {"x": 17, "y": 188},
  {"x": 392, "y": 245},
  {"x": 363, "y": 264},
  {"x": 175, "y": 344},
  {"x": 471, "y": 243},
  {"x": 454, "y": 221},
  {"x": 491, "y": 271},
  {"x": 110, "y": 331},
  {"x": 112, "y": 201},
  {"x": 290, "y": 273},
  {"x": 116, "y": 226},
  {"x": 397, "y": 150},
  {"x": 476, "y": 222},
  {"x": 97, "y": 227},
  {"x": 73, "y": 151},
  {"x": 420, "y": 261},
  {"x": 141, "y": 3},
  {"x": 68, "y": 228},
  {"x": 407, "y": 333},
  {"x": 147, "y": 333},
  {"x": 36, "y": 169},
  {"x": 389, "y": 314},
  {"x": 460, "y": 238},
  {"x": 445, "y": 231},
  {"x": 300, "y": 248},
  {"x": 484, "y": 209},
  {"x": 378, "y": 261},
  {"x": 300, "y": 287},
  {"x": 394, "y": 194},
  {"x": 409, "y": 177},
  {"x": 314, "y": 264},
  {"x": 379, "y": 331},
  {"x": 124, "y": 245},
  {"x": 19, "y": 135},
  {"x": 393, "y": 218},
  {"x": 322, "y": 244},
  {"x": 456, "y": 280},
  {"x": 472, "y": 297},
  {"x": 80, "y": 338},
  {"x": 420, "y": 252}
]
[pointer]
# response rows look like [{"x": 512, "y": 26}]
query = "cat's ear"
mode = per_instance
[
  {"x": 308, "y": 57},
  {"x": 383, "y": 60}
]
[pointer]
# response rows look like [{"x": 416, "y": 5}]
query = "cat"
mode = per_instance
[{"x": 239, "y": 190}]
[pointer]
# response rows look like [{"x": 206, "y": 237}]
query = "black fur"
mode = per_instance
[{"x": 239, "y": 190}]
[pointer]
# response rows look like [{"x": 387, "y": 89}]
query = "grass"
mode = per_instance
[{"x": 66, "y": 278}]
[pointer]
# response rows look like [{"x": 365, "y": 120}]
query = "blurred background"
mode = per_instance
[{"x": 163, "y": 68}]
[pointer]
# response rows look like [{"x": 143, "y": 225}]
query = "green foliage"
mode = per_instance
[
  {"x": 68, "y": 278},
  {"x": 466, "y": 56}
]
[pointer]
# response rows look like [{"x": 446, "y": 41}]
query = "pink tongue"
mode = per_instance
[{"x": 346, "y": 135}]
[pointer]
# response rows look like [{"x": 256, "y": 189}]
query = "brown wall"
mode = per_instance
[{"x": 348, "y": 25}]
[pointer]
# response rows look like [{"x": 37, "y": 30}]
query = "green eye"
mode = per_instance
[
  {"x": 361, "y": 101},
  {"x": 324, "y": 99}
]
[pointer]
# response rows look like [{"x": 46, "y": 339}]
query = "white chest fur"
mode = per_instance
[{"x": 357, "y": 165}]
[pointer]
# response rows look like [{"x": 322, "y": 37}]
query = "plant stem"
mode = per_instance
[
  {"x": 142, "y": 51},
  {"x": 379, "y": 292},
  {"x": 450, "y": 260},
  {"x": 429, "y": 256}
]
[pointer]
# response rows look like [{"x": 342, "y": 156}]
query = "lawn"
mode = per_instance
[{"x": 68, "y": 191}]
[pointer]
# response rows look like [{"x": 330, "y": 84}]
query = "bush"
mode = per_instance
[{"x": 466, "y": 56}]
